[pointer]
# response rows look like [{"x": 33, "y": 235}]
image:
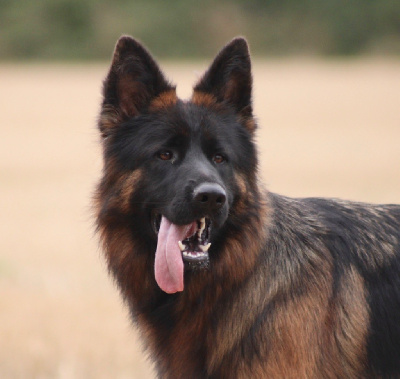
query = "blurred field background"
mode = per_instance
[
  {"x": 328, "y": 106},
  {"x": 85, "y": 29}
]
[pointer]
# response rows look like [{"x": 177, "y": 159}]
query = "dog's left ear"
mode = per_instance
[{"x": 229, "y": 79}]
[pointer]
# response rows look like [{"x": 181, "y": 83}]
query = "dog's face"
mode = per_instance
[{"x": 176, "y": 171}]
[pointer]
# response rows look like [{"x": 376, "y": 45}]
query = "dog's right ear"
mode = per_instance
[
  {"x": 228, "y": 80},
  {"x": 133, "y": 81}
]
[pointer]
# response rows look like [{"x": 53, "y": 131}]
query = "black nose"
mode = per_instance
[{"x": 209, "y": 197}]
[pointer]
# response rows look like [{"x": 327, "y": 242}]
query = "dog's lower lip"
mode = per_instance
[{"x": 195, "y": 257}]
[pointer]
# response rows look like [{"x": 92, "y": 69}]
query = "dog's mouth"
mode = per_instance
[
  {"x": 179, "y": 246},
  {"x": 194, "y": 246}
]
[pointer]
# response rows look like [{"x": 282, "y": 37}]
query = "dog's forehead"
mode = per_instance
[
  {"x": 183, "y": 119},
  {"x": 195, "y": 118}
]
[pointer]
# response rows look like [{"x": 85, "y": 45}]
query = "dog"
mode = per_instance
[{"x": 223, "y": 278}]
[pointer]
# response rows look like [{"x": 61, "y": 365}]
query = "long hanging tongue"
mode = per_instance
[{"x": 168, "y": 267}]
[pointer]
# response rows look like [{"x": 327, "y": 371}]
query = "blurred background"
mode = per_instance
[
  {"x": 326, "y": 95},
  {"x": 85, "y": 29}
]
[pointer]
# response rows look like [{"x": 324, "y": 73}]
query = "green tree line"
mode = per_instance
[{"x": 87, "y": 29}]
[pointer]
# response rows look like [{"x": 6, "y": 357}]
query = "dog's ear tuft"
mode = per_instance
[
  {"x": 229, "y": 79},
  {"x": 134, "y": 79}
]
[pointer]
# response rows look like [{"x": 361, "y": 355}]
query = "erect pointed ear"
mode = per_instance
[
  {"x": 228, "y": 79},
  {"x": 133, "y": 81}
]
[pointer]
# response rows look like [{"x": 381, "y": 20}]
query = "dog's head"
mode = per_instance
[{"x": 177, "y": 172}]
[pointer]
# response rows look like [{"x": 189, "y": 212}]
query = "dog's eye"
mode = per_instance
[
  {"x": 165, "y": 155},
  {"x": 218, "y": 158}
]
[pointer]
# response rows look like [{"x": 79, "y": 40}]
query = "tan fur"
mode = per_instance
[
  {"x": 109, "y": 119},
  {"x": 249, "y": 123},
  {"x": 128, "y": 186},
  {"x": 205, "y": 100},
  {"x": 123, "y": 186},
  {"x": 353, "y": 323},
  {"x": 163, "y": 101},
  {"x": 295, "y": 335},
  {"x": 118, "y": 246},
  {"x": 246, "y": 194}
]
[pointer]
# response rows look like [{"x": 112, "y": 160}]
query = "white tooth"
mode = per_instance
[
  {"x": 202, "y": 226},
  {"x": 205, "y": 248},
  {"x": 184, "y": 253},
  {"x": 181, "y": 245}
]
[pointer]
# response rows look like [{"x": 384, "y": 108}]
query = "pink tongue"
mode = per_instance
[{"x": 168, "y": 267}]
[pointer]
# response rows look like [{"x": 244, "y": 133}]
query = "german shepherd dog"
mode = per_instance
[{"x": 225, "y": 279}]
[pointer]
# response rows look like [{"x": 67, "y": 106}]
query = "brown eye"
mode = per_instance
[
  {"x": 218, "y": 158},
  {"x": 165, "y": 155}
]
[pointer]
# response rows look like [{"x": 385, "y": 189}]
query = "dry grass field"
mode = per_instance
[{"x": 327, "y": 128}]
